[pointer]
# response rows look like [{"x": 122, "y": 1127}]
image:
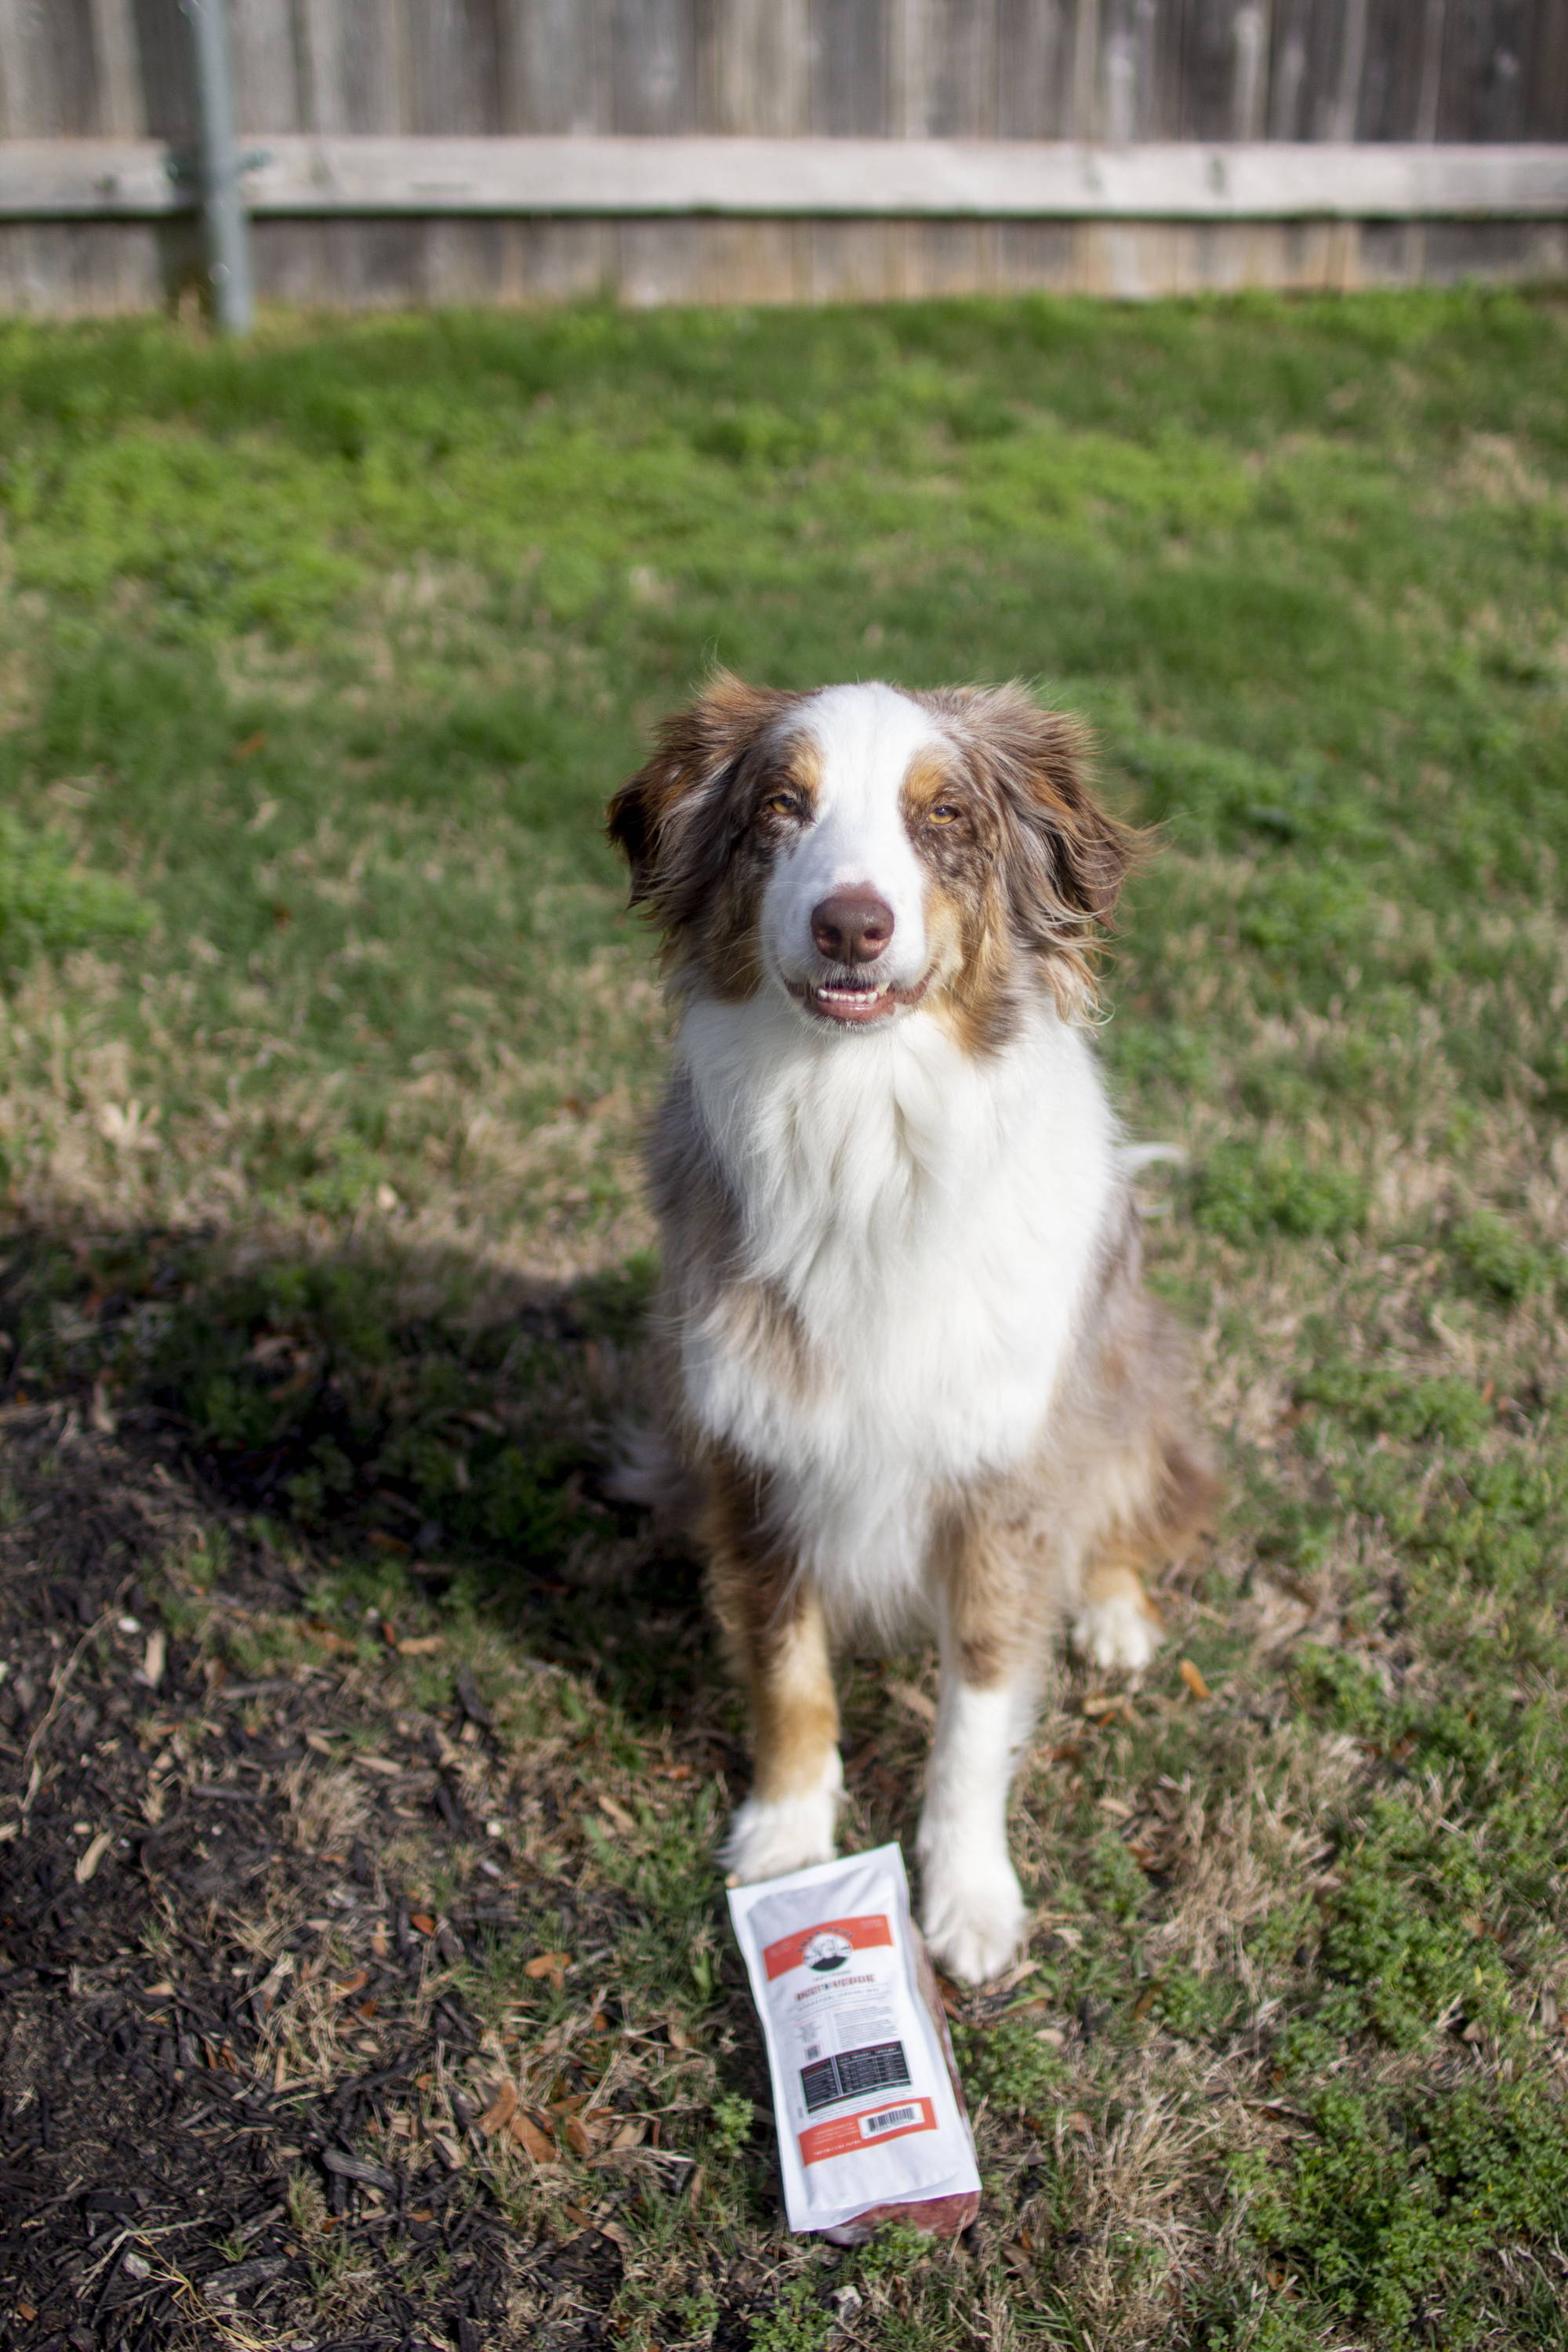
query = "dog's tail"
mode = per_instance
[{"x": 1135, "y": 1157}]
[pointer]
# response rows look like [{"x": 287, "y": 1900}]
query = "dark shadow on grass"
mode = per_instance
[{"x": 393, "y": 1408}]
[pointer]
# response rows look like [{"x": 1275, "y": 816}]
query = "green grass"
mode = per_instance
[{"x": 324, "y": 1044}]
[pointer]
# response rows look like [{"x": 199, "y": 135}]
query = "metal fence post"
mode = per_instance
[{"x": 224, "y": 217}]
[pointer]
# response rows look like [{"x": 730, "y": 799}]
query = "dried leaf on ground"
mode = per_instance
[
  {"x": 531, "y": 2136},
  {"x": 553, "y": 1965},
  {"x": 500, "y": 2111}
]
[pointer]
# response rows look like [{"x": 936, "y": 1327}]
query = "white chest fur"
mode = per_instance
[{"x": 932, "y": 1219}]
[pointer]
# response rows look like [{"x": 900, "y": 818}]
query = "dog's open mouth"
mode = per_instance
[{"x": 850, "y": 1001}]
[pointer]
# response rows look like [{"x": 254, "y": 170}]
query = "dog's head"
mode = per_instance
[{"x": 867, "y": 851}]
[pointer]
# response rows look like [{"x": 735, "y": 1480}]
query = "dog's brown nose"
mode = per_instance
[{"x": 852, "y": 926}]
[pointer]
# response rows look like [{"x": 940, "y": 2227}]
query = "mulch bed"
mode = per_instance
[{"x": 147, "y": 2152}]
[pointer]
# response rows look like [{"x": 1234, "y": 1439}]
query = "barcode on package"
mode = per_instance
[
  {"x": 889, "y": 2120},
  {"x": 880, "y": 2066},
  {"x": 848, "y": 2134}
]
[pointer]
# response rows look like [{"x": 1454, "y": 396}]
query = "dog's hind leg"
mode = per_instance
[
  {"x": 1117, "y": 1627},
  {"x": 774, "y": 1621},
  {"x": 1137, "y": 1483},
  {"x": 1158, "y": 1497}
]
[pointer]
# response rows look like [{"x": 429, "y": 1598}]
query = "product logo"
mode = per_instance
[{"x": 826, "y": 1944}]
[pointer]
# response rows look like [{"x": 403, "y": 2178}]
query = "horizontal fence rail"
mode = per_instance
[
  {"x": 402, "y": 151},
  {"x": 305, "y": 178}
]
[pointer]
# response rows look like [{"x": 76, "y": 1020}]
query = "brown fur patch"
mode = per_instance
[
  {"x": 772, "y": 1622},
  {"x": 696, "y": 826},
  {"x": 978, "y": 986},
  {"x": 1057, "y": 858},
  {"x": 987, "y": 1563}
]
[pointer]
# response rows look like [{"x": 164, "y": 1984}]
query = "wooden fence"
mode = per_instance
[{"x": 784, "y": 150}]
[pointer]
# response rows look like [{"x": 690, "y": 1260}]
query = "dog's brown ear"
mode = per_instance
[
  {"x": 1064, "y": 858},
  {"x": 1081, "y": 853},
  {"x": 672, "y": 821}
]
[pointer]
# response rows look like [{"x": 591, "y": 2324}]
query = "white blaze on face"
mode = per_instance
[{"x": 865, "y": 737}]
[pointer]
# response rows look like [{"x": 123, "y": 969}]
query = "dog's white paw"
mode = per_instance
[
  {"x": 769, "y": 1836},
  {"x": 972, "y": 1914},
  {"x": 1119, "y": 1632}
]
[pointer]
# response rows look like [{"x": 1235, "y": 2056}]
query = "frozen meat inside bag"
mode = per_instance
[{"x": 871, "y": 2120}]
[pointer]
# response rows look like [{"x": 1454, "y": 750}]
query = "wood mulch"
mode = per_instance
[{"x": 164, "y": 2181}]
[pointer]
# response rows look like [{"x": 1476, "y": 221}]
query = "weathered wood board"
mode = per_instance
[{"x": 792, "y": 150}]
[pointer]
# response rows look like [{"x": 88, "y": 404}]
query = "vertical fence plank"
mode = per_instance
[
  {"x": 266, "y": 67},
  {"x": 1032, "y": 49},
  {"x": 1035, "y": 253},
  {"x": 848, "y": 64},
  {"x": 453, "y": 66},
  {"x": 761, "y": 73},
  {"x": 653, "y": 66},
  {"x": 1350, "y": 63},
  {"x": 557, "y": 53},
  {"x": 165, "y": 69},
  {"x": 117, "y": 114},
  {"x": 954, "y": 258},
  {"x": 323, "y": 76},
  {"x": 565, "y": 261},
  {"x": 1546, "y": 72},
  {"x": 19, "y": 40},
  {"x": 1119, "y": 62},
  {"x": 1295, "y": 42},
  {"x": 1083, "y": 87},
  {"x": 53, "y": 67},
  {"x": 1390, "y": 82},
  {"x": 1117, "y": 92},
  {"x": 1223, "y": 69},
  {"x": 760, "y": 261},
  {"x": 1249, "y": 32},
  {"x": 913, "y": 36},
  {"x": 350, "y": 65},
  {"x": 857, "y": 261},
  {"x": 1156, "y": 34},
  {"x": 961, "y": 71},
  {"x": 1481, "y": 93},
  {"x": 661, "y": 261},
  {"x": 1325, "y": 55},
  {"x": 1139, "y": 69},
  {"x": 1434, "y": 25}
]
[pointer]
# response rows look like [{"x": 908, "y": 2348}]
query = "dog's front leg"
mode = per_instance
[
  {"x": 971, "y": 1905},
  {"x": 772, "y": 1617}
]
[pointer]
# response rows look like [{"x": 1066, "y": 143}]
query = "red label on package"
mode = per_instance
[
  {"x": 846, "y": 2134},
  {"x": 829, "y": 1947}
]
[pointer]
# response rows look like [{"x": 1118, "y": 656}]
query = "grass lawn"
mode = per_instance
[{"x": 324, "y": 1045}]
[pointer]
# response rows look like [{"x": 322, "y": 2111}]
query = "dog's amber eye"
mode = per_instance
[
  {"x": 944, "y": 813},
  {"x": 783, "y": 804}
]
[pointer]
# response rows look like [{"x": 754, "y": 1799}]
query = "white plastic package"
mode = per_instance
[{"x": 871, "y": 2120}]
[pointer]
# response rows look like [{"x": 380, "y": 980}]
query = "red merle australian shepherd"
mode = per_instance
[{"x": 917, "y": 1379}]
